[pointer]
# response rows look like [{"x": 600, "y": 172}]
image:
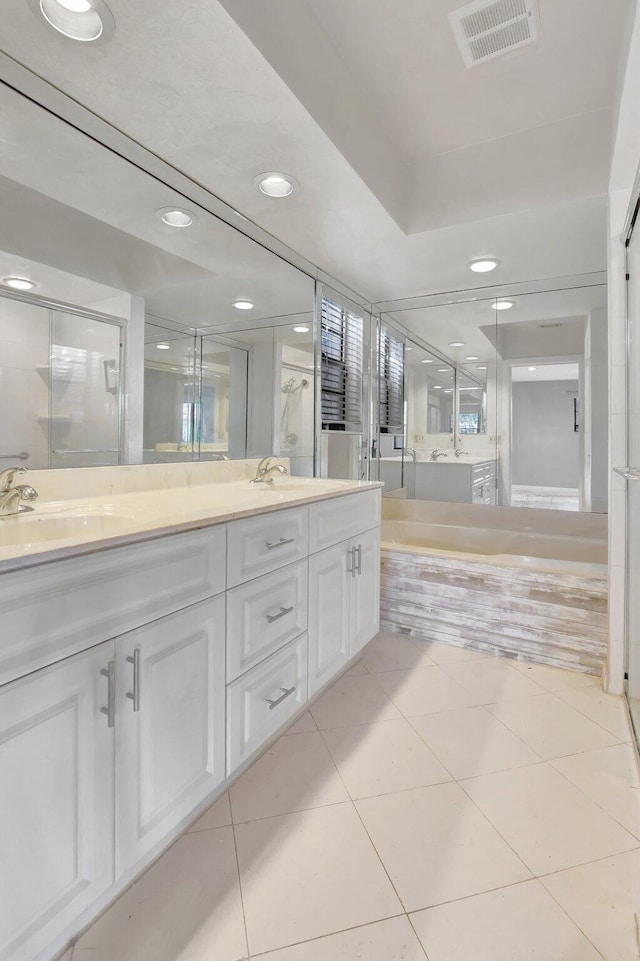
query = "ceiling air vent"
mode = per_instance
[{"x": 486, "y": 29}]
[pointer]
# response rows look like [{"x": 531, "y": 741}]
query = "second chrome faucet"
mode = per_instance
[{"x": 265, "y": 471}]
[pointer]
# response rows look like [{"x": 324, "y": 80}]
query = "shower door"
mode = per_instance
[{"x": 632, "y": 473}]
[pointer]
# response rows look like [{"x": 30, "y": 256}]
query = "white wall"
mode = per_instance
[
  {"x": 625, "y": 161},
  {"x": 545, "y": 448}
]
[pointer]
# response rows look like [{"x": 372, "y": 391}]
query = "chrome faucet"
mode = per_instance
[
  {"x": 11, "y": 496},
  {"x": 266, "y": 469},
  {"x": 436, "y": 452},
  {"x": 413, "y": 452},
  {"x": 459, "y": 452}
]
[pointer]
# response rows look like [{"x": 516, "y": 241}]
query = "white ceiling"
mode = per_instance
[
  {"x": 409, "y": 164},
  {"x": 545, "y": 372},
  {"x": 481, "y": 328}
]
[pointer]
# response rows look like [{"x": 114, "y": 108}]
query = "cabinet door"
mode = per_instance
[
  {"x": 170, "y": 744},
  {"x": 56, "y": 800},
  {"x": 365, "y": 597},
  {"x": 329, "y": 592}
]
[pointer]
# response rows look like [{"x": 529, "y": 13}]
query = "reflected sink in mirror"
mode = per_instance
[{"x": 36, "y": 529}]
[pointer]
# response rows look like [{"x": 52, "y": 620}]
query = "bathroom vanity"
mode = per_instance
[{"x": 145, "y": 661}]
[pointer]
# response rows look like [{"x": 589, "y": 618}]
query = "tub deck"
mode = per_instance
[{"x": 552, "y": 610}]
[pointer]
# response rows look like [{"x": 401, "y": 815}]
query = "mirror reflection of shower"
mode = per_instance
[{"x": 293, "y": 411}]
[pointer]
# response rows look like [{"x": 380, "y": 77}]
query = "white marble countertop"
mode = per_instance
[
  {"x": 423, "y": 459},
  {"x": 62, "y": 528}
]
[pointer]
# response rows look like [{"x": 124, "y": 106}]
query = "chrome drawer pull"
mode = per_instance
[
  {"x": 358, "y": 555},
  {"x": 351, "y": 553},
  {"x": 285, "y": 693},
  {"x": 108, "y": 672},
  {"x": 280, "y": 543},
  {"x": 135, "y": 695},
  {"x": 276, "y": 617}
]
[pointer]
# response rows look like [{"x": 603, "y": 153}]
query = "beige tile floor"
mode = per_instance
[{"x": 433, "y": 804}]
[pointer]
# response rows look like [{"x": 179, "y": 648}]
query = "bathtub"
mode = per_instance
[{"x": 530, "y": 584}]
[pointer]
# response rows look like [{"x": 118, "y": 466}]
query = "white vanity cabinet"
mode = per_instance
[
  {"x": 56, "y": 798},
  {"x": 135, "y": 682},
  {"x": 170, "y": 717},
  {"x": 344, "y": 584},
  {"x": 459, "y": 482}
]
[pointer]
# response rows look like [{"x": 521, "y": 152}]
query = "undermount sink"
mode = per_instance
[{"x": 33, "y": 529}]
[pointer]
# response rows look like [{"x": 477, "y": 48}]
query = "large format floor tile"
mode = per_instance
[
  {"x": 303, "y": 725},
  {"x": 493, "y": 680},
  {"x": 610, "y": 778},
  {"x": 471, "y": 741},
  {"x": 603, "y": 898},
  {"x": 604, "y": 709},
  {"x": 450, "y": 654},
  {"x": 555, "y": 678},
  {"x": 186, "y": 907},
  {"x": 546, "y": 820},
  {"x": 392, "y": 940},
  {"x": 394, "y": 652},
  {"x": 519, "y": 923},
  {"x": 550, "y": 727},
  {"x": 294, "y": 774},
  {"x": 358, "y": 699},
  {"x": 216, "y": 816},
  {"x": 381, "y": 758},
  {"x": 309, "y": 874},
  {"x": 437, "y": 846},
  {"x": 425, "y": 690}
]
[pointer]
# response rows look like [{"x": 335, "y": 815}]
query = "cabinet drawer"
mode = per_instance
[
  {"x": 54, "y": 610},
  {"x": 263, "y": 615},
  {"x": 334, "y": 520},
  {"x": 260, "y": 701},
  {"x": 261, "y": 544}
]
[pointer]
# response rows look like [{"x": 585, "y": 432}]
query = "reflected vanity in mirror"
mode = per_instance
[{"x": 521, "y": 363}]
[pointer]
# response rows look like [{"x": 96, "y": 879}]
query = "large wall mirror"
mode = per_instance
[
  {"x": 113, "y": 290},
  {"x": 509, "y": 405}
]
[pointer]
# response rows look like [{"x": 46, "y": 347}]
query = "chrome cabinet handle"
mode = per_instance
[
  {"x": 135, "y": 694},
  {"x": 109, "y": 673},
  {"x": 280, "y": 543},
  {"x": 629, "y": 473},
  {"x": 351, "y": 553},
  {"x": 285, "y": 693},
  {"x": 281, "y": 613},
  {"x": 358, "y": 554}
]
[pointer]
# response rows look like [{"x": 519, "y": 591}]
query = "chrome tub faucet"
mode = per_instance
[
  {"x": 436, "y": 452},
  {"x": 11, "y": 495},
  {"x": 265, "y": 471}
]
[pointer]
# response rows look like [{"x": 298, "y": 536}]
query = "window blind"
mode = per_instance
[{"x": 341, "y": 367}]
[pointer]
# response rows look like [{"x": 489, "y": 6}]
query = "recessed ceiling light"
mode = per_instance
[
  {"x": 19, "y": 283},
  {"x": 531, "y": 369},
  {"x": 437, "y": 387},
  {"x": 456, "y": 343},
  {"x": 501, "y": 304},
  {"x": 84, "y": 20},
  {"x": 162, "y": 346},
  {"x": 448, "y": 390},
  {"x": 471, "y": 357},
  {"x": 481, "y": 367},
  {"x": 243, "y": 305},
  {"x": 482, "y": 265},
  {"x": 176, "y": 217},
  {"x": 443, "y": 370},
  {"x": 426, "y": 361},
  {"x": 275, "y": 184},
  {"x": 301, "y": 330}
]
